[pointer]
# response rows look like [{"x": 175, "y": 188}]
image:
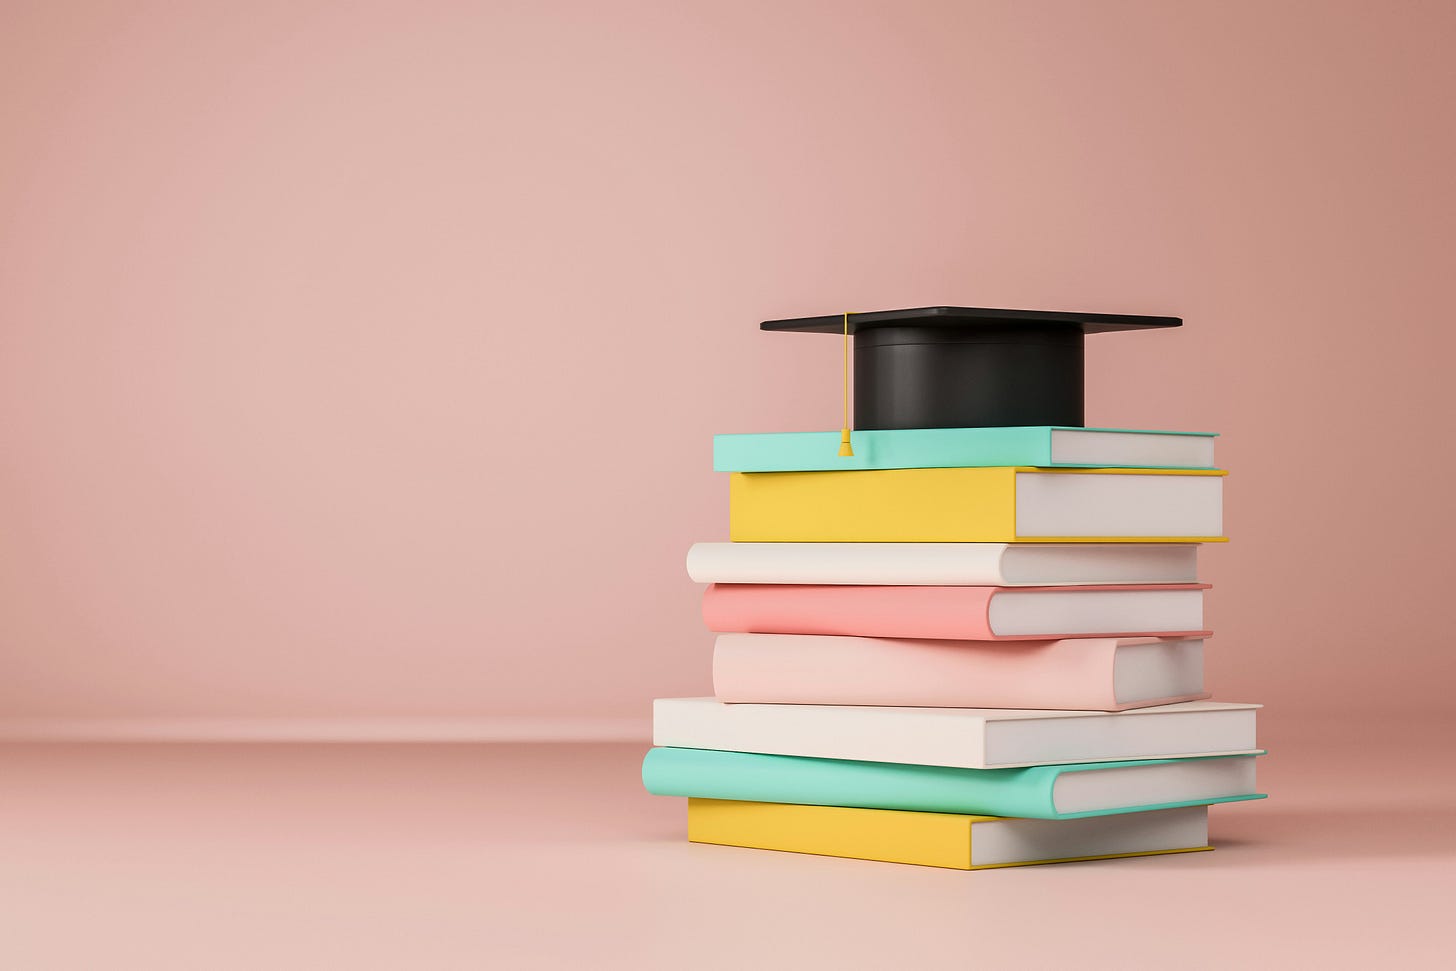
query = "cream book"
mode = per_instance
[
  {"x": 973, "y": 738},
  {"x": 944, "y": 564}
]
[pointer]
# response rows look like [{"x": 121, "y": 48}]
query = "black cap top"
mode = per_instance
[{"x": 965, "y": 367}]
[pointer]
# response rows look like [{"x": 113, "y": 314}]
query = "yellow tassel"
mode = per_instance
[{"x": 845, "y": 448}]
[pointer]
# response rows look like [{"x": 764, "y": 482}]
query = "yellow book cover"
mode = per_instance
[
  {"x": 944, "y": 839},
  {"x": 1005, "y": 504}
]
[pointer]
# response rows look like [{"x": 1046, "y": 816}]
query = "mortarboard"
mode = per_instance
[{"x": 964, "y": 367}]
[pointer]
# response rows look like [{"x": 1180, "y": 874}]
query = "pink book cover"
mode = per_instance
[
  {"x": 945, "y": 612},
  {"x": 795, "y": 669}
]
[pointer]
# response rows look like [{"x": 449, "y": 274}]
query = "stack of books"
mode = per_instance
[{"x": 965, "y": 647}]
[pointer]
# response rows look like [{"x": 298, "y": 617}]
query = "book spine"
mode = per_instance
[
  {"x": 840, "y": 563},
  {"x": 908, "y": 448},
  {"x": 831, "y": 732},
  {"x": 870, "y": 611},
  {"x": 830, "y": 670},
  {"x": 924, "y": 839},
  {"x": 900, "y": 506}
]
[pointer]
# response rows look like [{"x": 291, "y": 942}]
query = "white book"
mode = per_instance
[
  {"x": 972, "y": 738},
  {"x": 944, "y": 564}
]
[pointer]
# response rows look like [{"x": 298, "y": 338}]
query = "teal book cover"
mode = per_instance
[
  {"x": 746, "y": 777},
  {"x": 1041, "y": 446}
]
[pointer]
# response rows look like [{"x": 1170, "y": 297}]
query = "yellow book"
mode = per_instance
[
  {"x": 1005, "y": 504},
  {"x": 945, "y": 839}
]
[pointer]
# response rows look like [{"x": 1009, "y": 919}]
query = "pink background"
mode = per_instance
[
  {"x": 358, "y": 368},
  {"x": 362, "y": 360}
]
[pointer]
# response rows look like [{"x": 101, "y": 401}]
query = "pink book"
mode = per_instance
[
  {"x": 1089, "y": 674},
  {"x": 958, "y": 613}
]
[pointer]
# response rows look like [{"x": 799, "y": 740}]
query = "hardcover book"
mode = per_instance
[
  {"x": 1045, "y": 446},
  {"x": 1094, "y": 674},
  {"x": 1038, "y": 792},
  {"x": 955, "y": 841},
  {"x": 976, "y": 738},
  {"x": 949, "y": 564},
  {"x": 957, "y": 613},
  {"x": 994, "y": 505}
]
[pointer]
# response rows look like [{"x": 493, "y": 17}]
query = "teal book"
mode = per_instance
[
  {"x": 1037, "y": 446},
  {"x": 1037, "y": 792}
]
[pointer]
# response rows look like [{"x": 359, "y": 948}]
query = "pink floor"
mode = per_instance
[{"x": 550, "y": 856}]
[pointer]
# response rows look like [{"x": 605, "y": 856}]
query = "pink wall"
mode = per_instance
[{"x": 362, "y": 359}]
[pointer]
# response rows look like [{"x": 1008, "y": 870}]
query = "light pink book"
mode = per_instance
[
  {"x": 1087, "y": 674},
  {"x": 956, "y": 612}
]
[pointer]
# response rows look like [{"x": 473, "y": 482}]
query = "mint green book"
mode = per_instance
[
  {"x": 1037, "y": 792},
  {"x": 1039, "y": 446}
]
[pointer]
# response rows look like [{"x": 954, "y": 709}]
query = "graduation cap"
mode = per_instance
[{"x": 965, "y": 367}]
